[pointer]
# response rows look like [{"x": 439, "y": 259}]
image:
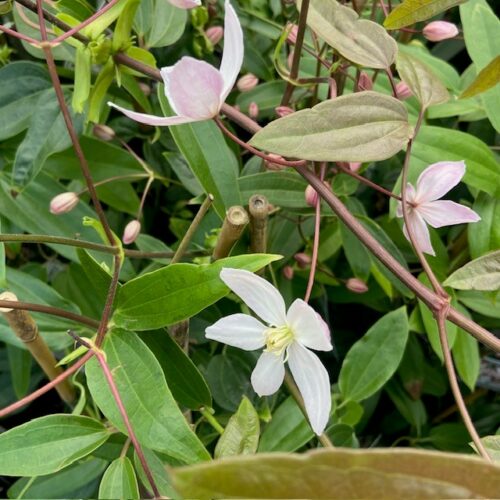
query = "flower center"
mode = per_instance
[{"x": 278, "y": 339}]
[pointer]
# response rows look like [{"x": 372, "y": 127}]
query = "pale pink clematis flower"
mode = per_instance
[
  {"x": 195, "y": 89},
  {"x": 425, "y": 207},
  {"x": 439, "y": 30},
  {"x": 186, "y": 4},
  {"x": 286, "y": 336}
]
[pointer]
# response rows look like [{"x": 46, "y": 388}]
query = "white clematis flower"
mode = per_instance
[
  {"x": 186, "y": 4},
  {"x": 287, "y": 337},
  {"x": 426, "y": 207},
  {"x": 195, "y": 89}
]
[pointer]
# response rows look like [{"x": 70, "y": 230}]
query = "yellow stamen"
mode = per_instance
[{"x": 278, "y": 339}]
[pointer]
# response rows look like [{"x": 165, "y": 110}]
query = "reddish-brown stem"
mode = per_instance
[
  {"x": 51, "y": 65},
  {"x": 47, "y": 387},
  {"x": 364, "y": 180},
  {"x": 393, "y": 83},
  {"x": 121, "y": 407},
  {"x": 294, "y": 70},
  {"x": 18, "y": 35},
  {"x": 455, "y": 388},
  {"x": 314, "y": 256},
  {"x": 256, "y": 152},
  {"x": 54, "y": 311}
]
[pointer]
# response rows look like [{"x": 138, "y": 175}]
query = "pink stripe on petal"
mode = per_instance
[
  {"x": 193, "y": 88},
  {"x": 232, "y": 56},
  {"x": 437, "y": 179},
  {"x": 155, "y": 121},
  {"x": 420, "y": 232},
  {"x": 446, "y": 213}
]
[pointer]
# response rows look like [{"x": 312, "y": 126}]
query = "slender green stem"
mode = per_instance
[{"x": 212, "y": 420}]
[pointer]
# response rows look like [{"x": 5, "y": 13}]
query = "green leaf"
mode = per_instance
[
  {"x": 487, "y": 78},
  {"x": 492, "y": 445},
  {"x": 48, "y": 444},
  {"x": 47, "y": 134},
  {"x": 365, "y": 126},
  {"x": 413, "y": 411},
  {"x": 356, "y": 253},
  {"x": 76, "y": 481},
  {"x": 482, "y": 273},
  {"x": 422, "y": 81},
  {"x": 20, "y": 369},
  {"x": 22, "y": 84},
  {"x": 341, "y": 474},
  {"x": 373, "y": 359},
  {"x": 83, "y": 76},
  {"x": 159, "y": 23},
  {"x": 183, "y": 378},
  {"x": 209, "y": 157},
  {"x": 466, "y": 354},
  {"x": 480, "y": 302},
  {"x": 484, "y": 235},
  {"x": 480, "y": 24},
  {"x": 288, "y": 430},
  {"x": 159, "y": 471},
  {"x": 435, "y": 144},
  {"x": 177, "y": 292},
  {"x": 241, "y": 435},
  {"x": 153, "y": 412},
  {"x": 360, "y": 41},
  {"x": 343, "y": 436},
  {"x": 411, "y": 11},
  {"x": 119, "y": 480}
]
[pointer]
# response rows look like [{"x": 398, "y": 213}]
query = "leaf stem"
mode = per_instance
[{"x": 211, "y": 420}]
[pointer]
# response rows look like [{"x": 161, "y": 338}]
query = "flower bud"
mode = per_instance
[
  {"x": 292, "y": 33},
  {"x": 303, "y": 260},
  {"x": 253, "y": 110},
  {"x": 403, "y": 91},
  {"x": 146, "y": 89},
  {"x": 63, "y": 203},
  {"x": 103, "y": 132},
  {"x": 274, "y": 166},
  {"x": 289, "y": 59},
  {"x": 354, "y": 166},
  {"x": 186, "y": 4},
  {"x": 132, "y": 230},
  {"x": 439, "y": 30},
  {"x": 282, "y": 111},
  {"x": 311, "y": 196},
  {"x": 288, "y": 272},
  {"x": 356, "y": 285},
  {"x": 364, "y": 82},
  {"x": 247, "y": 82},
  {"x": 214, "y": 34}
]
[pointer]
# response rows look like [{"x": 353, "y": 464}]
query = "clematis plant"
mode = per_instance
[
  {"x": 195, "y": 89},
  {"x": 186, "y": 4},
  {"x": 287, "y": 337},
  {"x": 425, "y": 206}
]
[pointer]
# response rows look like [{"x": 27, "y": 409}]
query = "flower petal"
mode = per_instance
[
  {"x": 238, "y": 330},
  {"x": 232, "y": 56},
  {"x": 193, "y": 88},
  {"x": 437, "y": 179},
  {"x": 313, "y": 382},
  {"x": 268, "y": 374},
  {"x": 410, "y": 197},
  {"x": 441, "y": 213},
  {"x": 186, "y": 4},
  {"x": 308, "y": 327},
  {"x": 257, "y": 293},
  {"x": 156, "y": 121},
  {"x": 420, "y": 232}
]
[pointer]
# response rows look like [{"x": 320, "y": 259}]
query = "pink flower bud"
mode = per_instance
[
  {"x": 333, "y": 88},
  {"x": 63, "y": 203},
  {"x": 214, "y": 34},
  {"x": 247, "y": 82},
  {"x": 132, "y": 230},
  {"x": 292, "y": 33},
  {"x": 364, "y": 82},
  {"x": 103, "y": 132},
  {"x": 186, "y": 4},
  {"x": 311, "y": 196},
  {"x": 288, "y": 272},
  {"x": 253, "y": 110},
  {"x": 282, "y": 111},
  {"x": 303, "y": 260},
  {"x": 274, "y": 166},
  {"x": 439, "y": 30},
  {"x": 356, "y": 285},
  {"x": 146, "y": 89},
  {"x": 403, "y": 91},
  {"x": 289, "y": 59},
  {"x": 355, "y": 165}
]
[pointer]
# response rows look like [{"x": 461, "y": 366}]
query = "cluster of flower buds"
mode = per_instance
[{"x": 439, "y": 30}]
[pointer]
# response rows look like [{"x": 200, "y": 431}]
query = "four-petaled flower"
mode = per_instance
[
  {"x": 195, "y": 89},
  {"x": 424, "y": 205},
  {"x": 286, "y": 336}
]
